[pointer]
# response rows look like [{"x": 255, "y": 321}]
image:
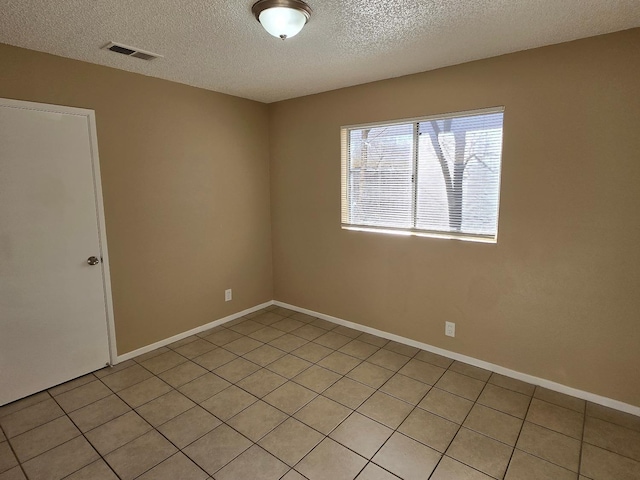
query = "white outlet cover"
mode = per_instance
[
  {"x": 450, "y": 329},
  {"x": 228, "y": 295}
]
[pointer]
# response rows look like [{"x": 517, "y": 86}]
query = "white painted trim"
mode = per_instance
[
  {"x": 102, "y": 232},
  {"x": 557, "y": 387},
  {"x": 193, "y": 331},
  {"x": 46, "y": 107},
  {"x": 435, "y": 116}
]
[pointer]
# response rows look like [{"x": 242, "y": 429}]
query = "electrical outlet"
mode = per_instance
[
  {"x": 450, "y": 329},
  {"x": 228, "y": 295}
]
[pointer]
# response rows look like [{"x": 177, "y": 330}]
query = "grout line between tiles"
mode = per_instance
[
  {"x": 27, "y": 406},
  {"x": 355, "y": 410},
  {"x": 519, "y": 433},
  {"x": 152, "y": 428},
  {"x": 582, "y": 442},
  {"x": 15, "y": 455},
  {"x": 86, "y": 440}
]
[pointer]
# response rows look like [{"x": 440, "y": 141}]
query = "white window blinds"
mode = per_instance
[{"x": 435, "y": 176}]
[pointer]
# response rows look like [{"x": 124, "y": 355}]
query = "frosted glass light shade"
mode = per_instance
[{"x": 282, "y": 22}]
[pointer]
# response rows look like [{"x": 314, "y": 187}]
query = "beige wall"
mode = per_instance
[
  {"x": 559, "y": 296},
  {"x": 186, "y": 191}
]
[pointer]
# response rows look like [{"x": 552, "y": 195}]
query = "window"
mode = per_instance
[{"x": 433, "y": 176}]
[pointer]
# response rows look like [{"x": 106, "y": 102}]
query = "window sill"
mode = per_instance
[{"x": 420, "y": 233}]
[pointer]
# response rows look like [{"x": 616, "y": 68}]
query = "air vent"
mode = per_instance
[
  {"x": 144, "y": 56},
  {"x": 130, "y": 51}
]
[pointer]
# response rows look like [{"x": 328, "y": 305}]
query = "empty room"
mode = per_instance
[{"x": 320, "y": 239}]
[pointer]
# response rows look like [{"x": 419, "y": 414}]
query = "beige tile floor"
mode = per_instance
[{"x": 282, "y": 395}]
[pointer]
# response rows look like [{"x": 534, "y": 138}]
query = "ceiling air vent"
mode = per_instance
[{"x": 130, "y": 51}]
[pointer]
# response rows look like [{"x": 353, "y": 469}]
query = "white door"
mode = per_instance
[{"x": 54, "y": 305}]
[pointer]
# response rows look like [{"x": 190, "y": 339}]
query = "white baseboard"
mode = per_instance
[
  {"x": 193, "y": 331},
  {"x": 558, "y": 387}
]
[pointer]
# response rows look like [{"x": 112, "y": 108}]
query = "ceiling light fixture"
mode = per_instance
[{"x": 282, "y": 18}]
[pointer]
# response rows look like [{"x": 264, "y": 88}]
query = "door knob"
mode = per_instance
[{"x": 93, "y": 260}]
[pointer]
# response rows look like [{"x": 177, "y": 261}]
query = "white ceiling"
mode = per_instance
[{"x": 218, "y": 45}]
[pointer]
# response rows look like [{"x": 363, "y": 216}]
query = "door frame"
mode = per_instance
[{"x": 90, "y": 115}]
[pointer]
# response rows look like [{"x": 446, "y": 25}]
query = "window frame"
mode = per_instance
[{"x": 346, "y": 224}]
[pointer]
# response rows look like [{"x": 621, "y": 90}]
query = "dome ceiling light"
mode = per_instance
[{"x": 282, "y": 18}]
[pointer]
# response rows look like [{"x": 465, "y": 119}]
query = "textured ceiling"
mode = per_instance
[{"x": 218, "y": 45}]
